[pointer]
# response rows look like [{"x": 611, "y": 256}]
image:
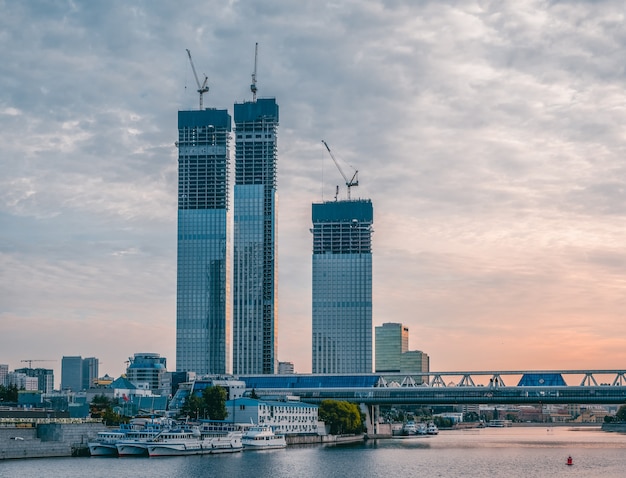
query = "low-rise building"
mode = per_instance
[{"x": 288, "y": 417}]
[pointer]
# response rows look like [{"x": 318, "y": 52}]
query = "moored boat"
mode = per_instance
[
  {"x": 192, "y": 442},
  {"x": 432, "y": 429},
  {"x": 262, "y": 438},
  {"x": 104, "y": 444}
]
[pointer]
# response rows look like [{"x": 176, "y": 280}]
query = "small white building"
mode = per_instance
[{"x": 289, "y": 417}]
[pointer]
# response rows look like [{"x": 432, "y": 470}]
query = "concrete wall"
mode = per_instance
[{"x": 47, "y": 440}]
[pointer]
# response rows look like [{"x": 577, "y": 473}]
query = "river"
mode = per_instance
[{"x": 489, "y": 452}]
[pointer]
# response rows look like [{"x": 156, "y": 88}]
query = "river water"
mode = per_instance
[{"x": 490, "y": 452}]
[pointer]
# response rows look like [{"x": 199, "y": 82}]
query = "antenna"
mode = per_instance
[
  {"x": 352, "y": 182},
  {"x": 253, "y": 85},
  {"x": 201, "y": 89}
]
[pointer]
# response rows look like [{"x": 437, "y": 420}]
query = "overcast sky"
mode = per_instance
[{"x": 489, "y": 136}]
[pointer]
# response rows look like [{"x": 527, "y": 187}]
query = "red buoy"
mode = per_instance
[{"x": 570, "y": 461}]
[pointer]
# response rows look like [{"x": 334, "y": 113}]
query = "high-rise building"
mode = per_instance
[
  {"x": 392, "y": 340},
  {"x": 4, "y": 371},
  {"x": 72, "y": 373},
  {"x": 45, "y": 377},
  {"x": 254, "y": 238},
  {"x": 147, "y": 368},
  {"x": 202, "y": 294},
  {"x": 90, "y": 372},
  {"x": 285, "y": 368},
  {"x": 342, "y": 286}
]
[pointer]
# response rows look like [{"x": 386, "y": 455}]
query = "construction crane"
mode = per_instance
[
  {"x": 253, "y": 84},
  {"x": 30, "y": 361},
  {"x": 349, "y": 183},
  {"x": 202, "y": 89}
]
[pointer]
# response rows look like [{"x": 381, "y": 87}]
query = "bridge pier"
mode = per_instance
[{"x": 373, "y": 427}]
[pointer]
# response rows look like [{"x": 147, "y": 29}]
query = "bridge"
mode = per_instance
[{"x": 439, "y": 388}]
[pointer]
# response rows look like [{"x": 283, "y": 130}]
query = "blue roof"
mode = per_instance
[
  {"x": 343, "y": 211},
  {"x": 542, "y": 380},
  {"x": 122, "y": 383},
  {"x": 255, "y": 110},
  {"x": 310, "y": 381},
  {"x": 200, "y": 118}
]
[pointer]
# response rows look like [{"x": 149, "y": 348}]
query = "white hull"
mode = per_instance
[
  {"x": 177, "y": 449},
  {"x": 102, "y": 449},
  {"x": 132, "y": 449},
  {"x": 262, "y": 438}
]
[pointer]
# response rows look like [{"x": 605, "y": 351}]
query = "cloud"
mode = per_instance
[{"x": 489, "y": 137}]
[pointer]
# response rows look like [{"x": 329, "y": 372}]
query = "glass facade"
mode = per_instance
[
  {"x": 254, "y": 238},
  {"x": 342, "y": 287},
  {"x": 202, "y": 306},
  {"x": 392, "y": 340}
]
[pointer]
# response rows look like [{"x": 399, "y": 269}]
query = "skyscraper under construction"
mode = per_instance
[
  {"x": 342, "y": 286},
  {"x": 254, "y": 238}
]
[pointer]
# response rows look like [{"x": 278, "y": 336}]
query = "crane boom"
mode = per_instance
[
  {"x": 253, "y": 88},
  {"x": 201, "y": 88},
  {"x": 354, "y": 181},
  {"x": 30, "y": 361}
]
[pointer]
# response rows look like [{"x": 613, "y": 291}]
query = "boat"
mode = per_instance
[
  {"x": 432, "y": 429},
  {"x": 262, "y": 438},
  {"x": 104, "y": 444},
  {"x": 136, "y": 440},
  {"x": 409, "y": 428},
  {"x": 500, "y": 423},
  {"x": 191, "y": 442}
]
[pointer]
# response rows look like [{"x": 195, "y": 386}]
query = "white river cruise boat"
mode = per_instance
[
  {"x": 192, "y": 442},
  {"x": 262, "y": 438},
  {"x": 104, "y": 444}
]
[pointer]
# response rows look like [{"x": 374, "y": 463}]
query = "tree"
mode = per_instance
[
  {"x": 342, "y": 417},
  {"x": 215, "y": 402},
  {"x": 8, "y": 394}
]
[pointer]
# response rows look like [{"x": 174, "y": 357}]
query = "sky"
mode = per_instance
[{"x": 490, "y": 137}]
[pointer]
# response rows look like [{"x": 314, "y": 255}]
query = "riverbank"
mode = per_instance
[
  {"x": 323, "y": 439},
  {"x": 47, "y": 440}
]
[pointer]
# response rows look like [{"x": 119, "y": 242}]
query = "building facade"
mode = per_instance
[
  {"x": 254, "y": 238},
  {"x": 202, "y": 294},
  {"x": 147, "y": 368},
  {"x": 45, "y": 377},
  {"x": 392, "y": 340},
  {"x": 90, "y": 372},
  {"x": 72, "y": 373},
  {"x": 284, "y": 417},
  {"x": 342, "y": 286}
]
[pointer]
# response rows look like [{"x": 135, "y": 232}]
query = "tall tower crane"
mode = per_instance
[
  {"x": 253, "y": 84},
  {"x": 30, "y": 361},
  {"x": 201, "y": 88},
  {"x": 349, "y": 183}
]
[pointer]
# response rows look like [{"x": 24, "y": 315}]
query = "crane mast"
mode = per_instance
[
  {"x": 201, "y": 88},
  {"x": 354, "y": 181},
  {"x": 253, "y": 88}
]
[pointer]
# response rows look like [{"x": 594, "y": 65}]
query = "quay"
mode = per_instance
[{"x": 47, "y": 438}]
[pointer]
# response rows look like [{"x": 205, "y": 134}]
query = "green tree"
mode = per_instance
[
  {"x": 8, "y": 394},
  {"x": 215, "y": 402},
  {"x": 194, "y": 407},
  {"x": 342, "y": 417}
]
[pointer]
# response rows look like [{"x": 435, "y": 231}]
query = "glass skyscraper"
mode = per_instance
[
  {"x": 392, "y": 340},
  {"x": 202, "y": 295},
  {"x": 342, "y": 286},
  {"x": 254, "y": 239}
]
